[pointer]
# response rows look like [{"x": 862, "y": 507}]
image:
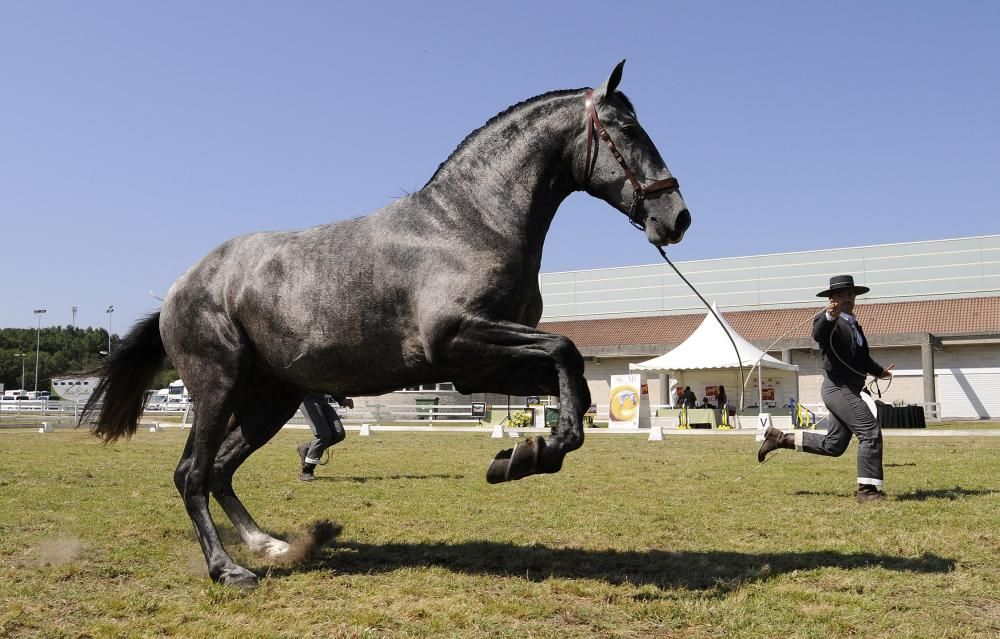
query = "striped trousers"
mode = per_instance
[
  {"x": 849, "y": 415},
  {"x": 325, "y": 424}
]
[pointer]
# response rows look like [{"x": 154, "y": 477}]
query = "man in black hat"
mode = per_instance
[{"x": 846, "y": 363}]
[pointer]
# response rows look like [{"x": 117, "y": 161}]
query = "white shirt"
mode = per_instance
[{"x": 850, "y": 320}]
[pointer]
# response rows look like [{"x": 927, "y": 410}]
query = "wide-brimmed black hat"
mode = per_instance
[{"x": 841, "y": 282}]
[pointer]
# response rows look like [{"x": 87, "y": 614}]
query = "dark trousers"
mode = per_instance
[
  {"x": 325, "y": 424},
  {"x": 848, "y": 415}
]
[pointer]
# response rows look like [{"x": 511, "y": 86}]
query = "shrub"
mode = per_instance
[{"x": 520, "y": 419}]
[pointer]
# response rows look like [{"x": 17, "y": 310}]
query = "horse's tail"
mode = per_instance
[{"x": 125, "y": 375}]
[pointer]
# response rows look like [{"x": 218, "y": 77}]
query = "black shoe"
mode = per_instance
[
  {"x": 303, "y": 449},
  {"x": 867, "y": 493},
  {"x": 307, "y": 472},
  {"x": 773, "y": 440}
]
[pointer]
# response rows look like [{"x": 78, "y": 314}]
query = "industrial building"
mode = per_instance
[{"x": 933, "y": 311}]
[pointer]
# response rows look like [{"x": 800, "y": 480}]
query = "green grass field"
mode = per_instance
[{"x": 632, "y": 539}]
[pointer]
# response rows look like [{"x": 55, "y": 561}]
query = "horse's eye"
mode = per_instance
[{"x": 631, "y": 131}]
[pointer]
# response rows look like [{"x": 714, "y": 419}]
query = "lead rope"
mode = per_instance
[{"x": 739, "y": 359}]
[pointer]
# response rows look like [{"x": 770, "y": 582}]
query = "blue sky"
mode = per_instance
[{"x": 136, "y": 136}]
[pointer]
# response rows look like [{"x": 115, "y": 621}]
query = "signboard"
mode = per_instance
[
  {"x": 536, "y": 409},
  {"x": 479, "y": 409},
  {"x": 623, "y": 409}
]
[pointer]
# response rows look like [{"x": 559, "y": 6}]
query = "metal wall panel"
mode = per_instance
[
  {"x": 967, "y": 393},
  {"x": 896, "y": 272}
]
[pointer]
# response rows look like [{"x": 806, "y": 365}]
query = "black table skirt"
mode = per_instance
[{"x": 900, "y": 416}]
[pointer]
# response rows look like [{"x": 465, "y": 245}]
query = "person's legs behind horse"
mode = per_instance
[{"x": 327, "y": 430}]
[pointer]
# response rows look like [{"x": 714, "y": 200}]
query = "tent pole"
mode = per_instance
[{"x": 760, "y": 392}]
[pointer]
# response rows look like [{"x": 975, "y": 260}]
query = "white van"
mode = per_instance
[{"x": 157, "y": 400}]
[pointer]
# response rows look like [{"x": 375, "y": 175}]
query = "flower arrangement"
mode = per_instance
[{"x": 520, "y": 419}]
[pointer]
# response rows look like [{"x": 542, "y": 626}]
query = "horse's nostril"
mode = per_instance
[{"x": 683, "y": 221}]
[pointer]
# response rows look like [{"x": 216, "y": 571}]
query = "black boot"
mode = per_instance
[
  {"x": 773, "y": 440},
  {"x": 307, "y": 472},
  {"x": 867, "y": 493}
]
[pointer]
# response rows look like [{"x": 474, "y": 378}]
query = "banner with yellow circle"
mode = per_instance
[{"x": 623, "y": 411}]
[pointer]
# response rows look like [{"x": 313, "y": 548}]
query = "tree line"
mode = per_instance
[{"x": 63, "y": 351}]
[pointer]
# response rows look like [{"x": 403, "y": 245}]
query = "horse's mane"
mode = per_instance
[{"x": 499, "y": 116}]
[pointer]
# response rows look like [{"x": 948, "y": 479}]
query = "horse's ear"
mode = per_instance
[{"x": 611, "y": 83}]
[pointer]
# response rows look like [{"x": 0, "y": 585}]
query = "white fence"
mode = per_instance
[
  {"x": 395, "y": 417},
  {"x": 35, "y": 406},
  {"x": 401, "y": 414}
]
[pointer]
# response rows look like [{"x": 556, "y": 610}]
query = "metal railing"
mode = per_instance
[
  {"x": 379, "y": 414},
  {"x": 932, "y": 411}
]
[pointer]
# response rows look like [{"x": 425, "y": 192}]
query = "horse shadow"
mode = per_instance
[{"x": 694, "y": 570}]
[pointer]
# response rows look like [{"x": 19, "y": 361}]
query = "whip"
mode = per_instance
[
  {"x": 754, "y": 469},
  {"x": 739, "y": 358}
]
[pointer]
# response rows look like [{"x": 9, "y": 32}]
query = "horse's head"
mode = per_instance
[{"x": 624, "y": 168}]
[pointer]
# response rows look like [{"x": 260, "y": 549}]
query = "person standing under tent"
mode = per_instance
[
  {"x": 846, "y": 361},
  {"x": 690, "y": 400},
  {"x": 326, "y": 427},
  {"x": 723, "y": 403}
]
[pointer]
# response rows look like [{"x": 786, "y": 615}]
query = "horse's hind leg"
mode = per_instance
[
  {"x": 214, "y": 385},
  {"x": 257, "y": 419},
  {"x": 192, "y": 480}
]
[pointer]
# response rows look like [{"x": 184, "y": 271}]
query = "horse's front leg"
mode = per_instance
[{"x": 509, "y": 358}]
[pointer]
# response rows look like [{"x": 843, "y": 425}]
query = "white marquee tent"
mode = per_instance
[{"x": 709, "y": 349}]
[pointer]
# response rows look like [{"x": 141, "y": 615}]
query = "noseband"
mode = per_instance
[{"x": 639, "y": 192}]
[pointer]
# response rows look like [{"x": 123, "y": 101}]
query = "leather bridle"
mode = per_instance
[{"x": 639, "y": 192}]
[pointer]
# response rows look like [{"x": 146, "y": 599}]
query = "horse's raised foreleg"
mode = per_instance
[
  {"x": 511, "y": 358},
  {"x": 257, "y": 420}
]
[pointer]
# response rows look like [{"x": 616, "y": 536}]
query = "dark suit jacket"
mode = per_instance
[{"x": 841, "y": 352}]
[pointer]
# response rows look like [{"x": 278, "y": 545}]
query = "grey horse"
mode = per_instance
[{"x": 443, "y": 286}]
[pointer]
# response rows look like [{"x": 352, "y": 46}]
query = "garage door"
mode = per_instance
[{"x": 970, "y": 393}]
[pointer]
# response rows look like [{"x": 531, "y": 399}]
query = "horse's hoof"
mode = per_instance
[
  {"x": 239, "y": 577},
  {"x": 497, "y": 472},
  {"x": 516, "y": 463},
  {"x": 276, "y": 548}
]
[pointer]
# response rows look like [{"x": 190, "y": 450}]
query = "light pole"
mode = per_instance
[
  {"x": 22, "y": 356},
  {"x": 38, "y": 342},
  {"x": 109, "y": 311}
]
